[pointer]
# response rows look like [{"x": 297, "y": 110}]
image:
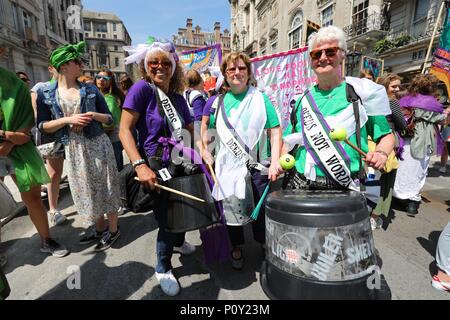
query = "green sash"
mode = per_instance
[{"x": 15, "y": 102}]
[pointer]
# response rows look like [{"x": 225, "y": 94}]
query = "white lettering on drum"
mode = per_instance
[
  {"x": 359, "y": 252},
  {"x": 327, "y": 256}
]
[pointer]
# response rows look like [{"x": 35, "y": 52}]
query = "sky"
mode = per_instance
[{"x": 162, "y": 19}]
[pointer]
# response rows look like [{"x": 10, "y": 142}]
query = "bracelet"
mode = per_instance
[
  {"x": 138, "y": 163},
  {"x": 382, "y": 152}
]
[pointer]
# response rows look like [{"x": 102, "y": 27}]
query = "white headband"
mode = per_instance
[
  {"x": 215, "y": 72},
  {"x": 144, "y": 50}
]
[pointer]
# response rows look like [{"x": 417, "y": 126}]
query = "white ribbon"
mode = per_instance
[{"x": 143, "y": 50}]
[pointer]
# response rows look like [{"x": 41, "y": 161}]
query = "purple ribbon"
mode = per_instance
[{"x": 420, "y": 101}]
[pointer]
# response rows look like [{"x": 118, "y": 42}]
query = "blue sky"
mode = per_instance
[{"x": 163, "y": 18}]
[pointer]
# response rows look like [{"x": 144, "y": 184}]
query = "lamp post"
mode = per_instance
[{"x": 352, "y": 60}]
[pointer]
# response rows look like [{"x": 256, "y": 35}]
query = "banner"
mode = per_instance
[
  {"x": 440, "y": 66},
  {"x": 202, "y": 58},
  {"x": 284, "y": 77},
  {"x": 374, "y": 65}
]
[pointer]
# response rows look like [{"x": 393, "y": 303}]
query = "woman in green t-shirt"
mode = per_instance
[{"x": 106, "y": 83}]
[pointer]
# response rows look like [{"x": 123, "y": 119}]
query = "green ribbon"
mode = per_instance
[
  {"x": 15, "y": 103},
  {"x": 67, "y": 53}
]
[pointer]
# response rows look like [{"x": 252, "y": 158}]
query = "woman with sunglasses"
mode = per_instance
[
  {"x": 326, "y": 106},
  {"x": 163, "y": 81},
  {"x": 74, "y": 112},
  {"x": 106, "y": 83},
  {"x": 249, "y": 113}
]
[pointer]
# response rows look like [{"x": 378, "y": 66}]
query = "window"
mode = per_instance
[
  {"x": 101, "y": 27},
  {"x": 421, "y": 10},
  {"x": 99, "y": 35},
  {"x": 15, "y": 17},
  {"x": 86, "y": 35},
  {"x": 114, "y": 26},
  {"x": 116, "y": 48},
  {"x": 26, "y": 19},
  {"x": 273, "y": 47},
  {"x": 327, "y": 16},
  {"x": 359, "y": 16},
  {"x": 295, "y": 34},
  {"x": 87, "y": 25},
  {"x": 115, "y": 36},
  {"x": 103, "y": 36},
  {"x": 102, "y": 55},
  {"x": 117, "y": 62}
]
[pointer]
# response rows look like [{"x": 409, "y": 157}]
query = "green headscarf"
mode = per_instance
[
  {"x": 67, "y": 53},
  {"x": 15, "y": 103}
]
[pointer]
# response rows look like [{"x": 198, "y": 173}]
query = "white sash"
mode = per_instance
[
  {"x": 325, "y": 149},
  {"x": 248, "y": 120},
  {"x": 171, "y": 114}
]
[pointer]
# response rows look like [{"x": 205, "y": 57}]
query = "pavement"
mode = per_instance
[{"x": 406, "y": 248}]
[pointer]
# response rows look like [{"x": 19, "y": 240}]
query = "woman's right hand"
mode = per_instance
[
  {"x": 81, "y": 120},
  {"x": 146, "y": 176},
  {"x": 207, "y": 157},
  {"x": 5, "y": 148}
]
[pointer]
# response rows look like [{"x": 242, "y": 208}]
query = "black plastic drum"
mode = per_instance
[
  {"x": 184, "y": 214},
  {"x": 319, "y": 246}
]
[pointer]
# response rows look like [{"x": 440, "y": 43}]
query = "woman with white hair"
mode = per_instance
[
  {"x": 163, "y": 80},
  {"x": 327, "y": 106}
]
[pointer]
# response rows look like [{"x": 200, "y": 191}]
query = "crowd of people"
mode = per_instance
[{"x": 85, "y": 124}]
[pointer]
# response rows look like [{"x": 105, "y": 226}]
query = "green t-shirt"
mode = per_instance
[
  {"x": 114, "y": 107},
  {"x": 332, "y": 102},
  {"x": 231, "y": 101}
]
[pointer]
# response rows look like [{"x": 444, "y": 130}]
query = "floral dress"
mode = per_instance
[{"x": 92, "y": 171}]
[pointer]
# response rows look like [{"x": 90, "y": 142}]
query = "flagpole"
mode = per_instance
[{"x": 433, "y": 36}]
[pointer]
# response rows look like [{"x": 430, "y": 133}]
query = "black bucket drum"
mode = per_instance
[
  {"x": 184, "y": 214},
  {"x": 319, "y": 246}
]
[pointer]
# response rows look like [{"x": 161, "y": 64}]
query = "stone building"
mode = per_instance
[
  {"x": 190, "y": 38},
  {"x": 30, "y": 30},
  {"x": 105, "y": 35},
  {"x": 397, "y": 32}
]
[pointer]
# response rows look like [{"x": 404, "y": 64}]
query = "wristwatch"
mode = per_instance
[{"x": 138, "y": 162}]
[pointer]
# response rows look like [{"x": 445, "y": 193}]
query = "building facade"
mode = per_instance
[
  {"x": 105, "y": 35},
  {"x": 30, "y": 30},
  {"x": 397, "y": 32},
  {"x": 190, "y": 38}
]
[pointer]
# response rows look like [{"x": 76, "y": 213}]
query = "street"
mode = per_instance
[{"x": 406, "y": 249}]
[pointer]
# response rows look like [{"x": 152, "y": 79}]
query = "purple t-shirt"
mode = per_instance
[
  {"x": 208, "y": 105},
  {"x": 142, "y": 98}
]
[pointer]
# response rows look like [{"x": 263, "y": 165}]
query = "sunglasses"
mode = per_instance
[
  {"x": 329, "y": 52},
  {"x": 24, "y": 79},
  {"x": 165, "y": 64},
  {"x": 233, "y": 70},
  {"x": 106, "y": 78}
]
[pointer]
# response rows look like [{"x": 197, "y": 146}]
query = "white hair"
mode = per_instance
[{"x": 330, "y": 33}]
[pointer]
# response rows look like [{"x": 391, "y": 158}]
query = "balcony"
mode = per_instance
[{"x": 374, "y": 26}]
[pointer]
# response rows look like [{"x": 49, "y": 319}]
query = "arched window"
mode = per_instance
[{"x": 295, "y": 34}]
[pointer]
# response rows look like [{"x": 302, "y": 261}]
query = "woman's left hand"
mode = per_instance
[
  {"x": 5, "y": 148},
  {"x": 376, "y": 160}
]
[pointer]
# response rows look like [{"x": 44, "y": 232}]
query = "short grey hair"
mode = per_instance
[{"x": 330, "y": 33}]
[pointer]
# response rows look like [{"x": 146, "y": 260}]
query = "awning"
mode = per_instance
[{"x": 407, "y": 67}]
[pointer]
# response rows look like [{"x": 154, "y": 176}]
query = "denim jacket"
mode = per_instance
[{"x": 48, "y": 109}]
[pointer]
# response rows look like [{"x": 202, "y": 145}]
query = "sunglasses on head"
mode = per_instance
[
  {"x": 106, "y": 78},
  {"x": 165, "y": 64},
  {"x": 329, "y": 52}
]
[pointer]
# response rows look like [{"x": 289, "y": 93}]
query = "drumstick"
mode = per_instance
[
  {"x": 362, "y": 153},
  {"x": 340, "y": 134},
  {"x": 175, "y": 191},
  {"x": 212, "y": 173}
]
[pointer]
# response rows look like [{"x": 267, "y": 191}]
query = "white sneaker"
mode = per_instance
[
  {"x": 168, "y": 283},
  {"x": 56, "y": 217},
  {"x": 443, "y": 169},
  {"x": 376, "y": 223},
  {"x": 186, "y": 249}
]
